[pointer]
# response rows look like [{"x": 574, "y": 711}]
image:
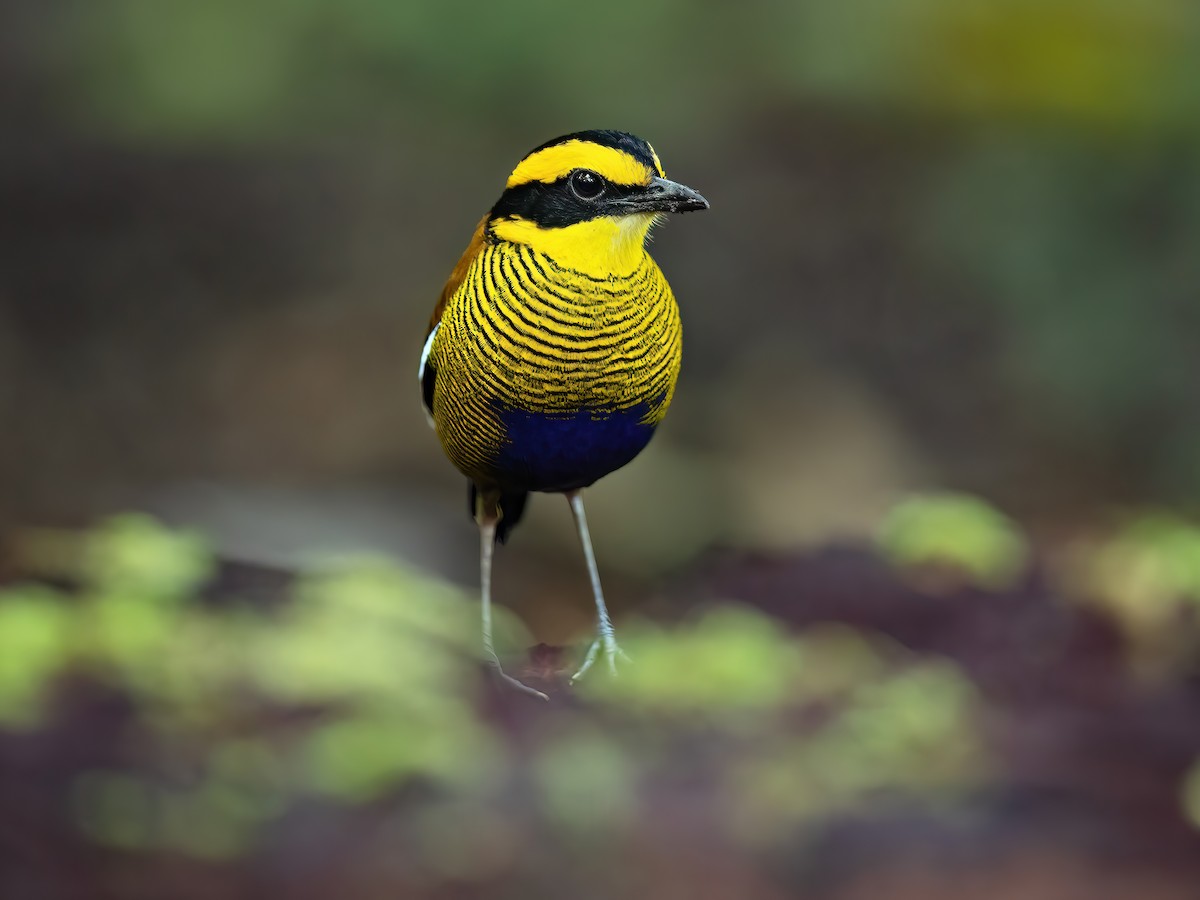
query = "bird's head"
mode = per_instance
[{"x": 589, "y": 199}]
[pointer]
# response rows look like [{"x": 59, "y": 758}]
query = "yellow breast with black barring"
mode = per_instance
[{"x": 553, "y": 352}]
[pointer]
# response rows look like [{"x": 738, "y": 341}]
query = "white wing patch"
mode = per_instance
[{"x": 421, "y": 372}]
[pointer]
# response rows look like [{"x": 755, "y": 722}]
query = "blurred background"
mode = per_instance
[{"x": 942, "y": 340}]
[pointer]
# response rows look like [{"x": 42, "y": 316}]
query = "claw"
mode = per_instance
[
  {"x": 513, "y": 682},
  {"x": 608, "y": 643}
]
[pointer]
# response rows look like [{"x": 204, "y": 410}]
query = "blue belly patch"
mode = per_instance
[{"x": 564, "y": 452}]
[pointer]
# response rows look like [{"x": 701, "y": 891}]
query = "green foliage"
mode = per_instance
[
  {"x": 214, "y": 819},
  {"x": 1100, "y": 61},
  {"x": 886, "y": 724},
  {"x": 390, "y": 628},
  {"x": 133, "y": 556},
  {"x": 361, "y": 757},
  {"x": 955, "y": 530},
  {"x": 1147, "y": 574},
  {"x": 1157, "y": 559},
  {"x": 730, "y": 662},
  {"x": 1144, "y": 574},
  {"x": 1189, "y": 795},
  {"x": 34, "y": 635},
  {"x": 225, "y": 69},
  {"x": 587, "y": 780},
  {"x": 910, "y": 732},
  {"x": 387, "y": 654},
  {"x": 381, "y": 664},
  {"x": 1090, "y": 306},
  {"x": 893, "y": 725}
]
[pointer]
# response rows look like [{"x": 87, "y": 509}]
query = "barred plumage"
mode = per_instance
[
  {"x": 526, "y": 333},
  {"x": 553, "y": 352}
]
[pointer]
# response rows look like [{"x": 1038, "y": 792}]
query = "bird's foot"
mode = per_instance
[
  {"x": 606, "y": 642},
  {"x": 513, "y": 682}
]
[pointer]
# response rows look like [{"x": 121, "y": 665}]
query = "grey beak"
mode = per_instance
[{"x": 661, "y": 195}]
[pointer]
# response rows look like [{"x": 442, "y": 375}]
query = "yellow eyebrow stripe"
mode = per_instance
[
  {"x": 657, "y": 164},
  {"x": 555, "y": 162}
]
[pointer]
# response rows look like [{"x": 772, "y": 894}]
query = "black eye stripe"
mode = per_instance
[{"x": 555, "y": 204}]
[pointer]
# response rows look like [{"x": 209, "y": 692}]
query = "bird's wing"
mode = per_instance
[{"x": 427, "y": 371}]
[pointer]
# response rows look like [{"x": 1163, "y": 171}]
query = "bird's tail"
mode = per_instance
[{"x": 512, "y": 507}]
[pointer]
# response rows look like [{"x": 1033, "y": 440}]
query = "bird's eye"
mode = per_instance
[{"x": 586, "y": 184}]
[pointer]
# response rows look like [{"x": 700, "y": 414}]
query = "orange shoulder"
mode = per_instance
[{"x": 459, "y": 273}]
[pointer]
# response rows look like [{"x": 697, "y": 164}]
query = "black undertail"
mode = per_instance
[{"x": 512, "y": 507}]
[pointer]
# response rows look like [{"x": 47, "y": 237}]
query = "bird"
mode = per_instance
[{"x": 553, "y": 351}]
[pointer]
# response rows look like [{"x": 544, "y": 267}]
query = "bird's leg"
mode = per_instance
[
  {"x": 487, "y": 543},
  {"x": 606, "y": 639}
]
